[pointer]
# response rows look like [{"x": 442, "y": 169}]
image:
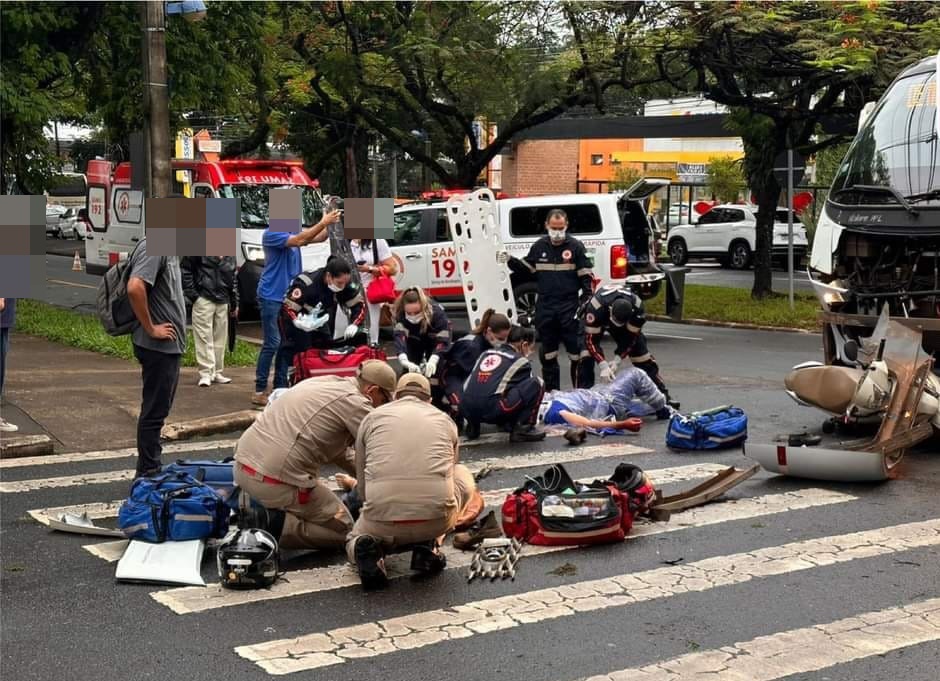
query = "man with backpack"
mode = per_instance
[{"x": 155, "y": 294}]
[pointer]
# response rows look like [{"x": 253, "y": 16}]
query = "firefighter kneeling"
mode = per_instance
[
  {"x": 412, "y": 489},
  {"x": 502, "y": 390}
]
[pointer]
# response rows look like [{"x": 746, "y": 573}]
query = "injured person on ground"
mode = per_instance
[{"x": 617, "y": 405}]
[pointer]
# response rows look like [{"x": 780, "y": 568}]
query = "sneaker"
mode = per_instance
[
  {"x": 488, "y": 528},
  {"x": 259, "y": 399},
  {"x": 219, "y": 378},
  {"x": 426, "y": 561},
  {"x": 526, "y": 434},
  {"x": 7, "y": 427},
  {"x": 575, "y": 436},
  {"x": 371, "y": 563},
  {"x": 471, "y": 430},
  {"x": 205, "y": 382}
]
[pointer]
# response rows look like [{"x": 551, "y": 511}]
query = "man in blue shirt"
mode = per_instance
[{"x": 282, "y": 262}]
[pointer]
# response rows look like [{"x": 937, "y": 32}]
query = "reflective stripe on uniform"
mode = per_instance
[
  {"x": 592, "y": 329},
  {"x": 633, "y": 329},
  {"x": 585, "y": 270},
  {"x": 400, "y": 328},
  {"x": 641, "y": 358},
  {"x": 573, "y": 358},
  {"x": 443, "y": 334},
  {"x": 551, "y": 267},
  {"x": 550, "y": 355},
  {"x": 595, "y": 303},
  {"x": 510, "y": 372}
]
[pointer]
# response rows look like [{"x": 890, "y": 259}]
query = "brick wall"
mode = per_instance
[{"x": 541, "y": 167}]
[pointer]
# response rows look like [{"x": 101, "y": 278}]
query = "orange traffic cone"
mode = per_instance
[{"x": 77, "y": 263}]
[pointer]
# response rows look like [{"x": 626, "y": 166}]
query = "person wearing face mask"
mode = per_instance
[
  {"x": 422, "y": 334},
  {"x": 565, "y": 282},
  {"x": 308, "y": 315},
  {"x": 492, "y": 331},
  {"x": 619, "y": 311},
  {"x": 501, "y": 390},
  {"x": 278, "y": 459}
]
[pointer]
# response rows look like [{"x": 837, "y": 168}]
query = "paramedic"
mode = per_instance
[
  {"x": 422, "y": 334},
  {"x": 565, "y": 281},
  {"x": 502, "y": 390},
  {"x": 278, "y": 459},
  {"x": 412, "y": 489}
]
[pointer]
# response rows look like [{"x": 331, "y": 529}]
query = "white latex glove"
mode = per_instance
[
  {"x": 431, "y": 367},
  {"x": 351, "y": 331},
  {"x": 410, "y": 367},
  {"x": 310, "y": 322},
  {"x": 502, "y": 257},
  {"x": 615, "y": 363},
  {"x": 607, "y": 371}
]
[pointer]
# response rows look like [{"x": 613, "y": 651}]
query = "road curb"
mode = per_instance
[
  {"x": 26, "y": 445},
  {"x": 729, "y": 325},
  {"x": 211, "y": 425}
]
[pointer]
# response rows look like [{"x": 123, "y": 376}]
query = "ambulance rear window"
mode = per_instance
[{"x": 529, "y": 221}]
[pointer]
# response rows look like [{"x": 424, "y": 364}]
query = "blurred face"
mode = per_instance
[{"x": 557, "y": 226}]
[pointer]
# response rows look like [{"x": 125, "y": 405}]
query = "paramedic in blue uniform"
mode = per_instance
[
  {"x": 308, "y": 315},
  {"x": 619, "y": 311},
  {"x": 565, "y": 282},
  {"x": 501, "y": 390},
  {"x": 423, "y": 335}
]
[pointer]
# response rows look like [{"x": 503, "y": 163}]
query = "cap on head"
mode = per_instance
[
  {"x": 413, "y": 384},
  {"x": 621, "y": 311},
  {"x": 378, "y": 373}
]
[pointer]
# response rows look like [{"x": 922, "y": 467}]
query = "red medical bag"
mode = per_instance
[{"x": 334, "y": 362}]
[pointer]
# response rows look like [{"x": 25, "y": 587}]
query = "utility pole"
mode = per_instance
[{"x": 156, "y": 99}]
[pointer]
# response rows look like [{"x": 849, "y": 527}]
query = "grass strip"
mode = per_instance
[
  {"x": 84, "y": 331},
  {"x": 722, "y": 304}
]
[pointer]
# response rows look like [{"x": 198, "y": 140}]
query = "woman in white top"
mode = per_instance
[{"x": 373, "y": 256}]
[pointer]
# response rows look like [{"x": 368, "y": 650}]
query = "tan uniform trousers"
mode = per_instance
[
  {"x": 322, "y": 522},
  {"x": 394, "y": 535}
]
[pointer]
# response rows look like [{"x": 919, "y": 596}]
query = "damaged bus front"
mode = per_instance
[{"x": 878, "y": 236}]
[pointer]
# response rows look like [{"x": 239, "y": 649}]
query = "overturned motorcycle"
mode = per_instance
[{"x": 893, "y": 383}]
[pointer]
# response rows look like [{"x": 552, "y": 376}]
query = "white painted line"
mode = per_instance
[
  {"x": 427, "y": 628},
  {"x": 110, "y": 551},
  {"x": 497, "y": 463},
  {"x": 662, "y": 476},
  {"x": 666, "y": 335},
  {"x": 196, "y": 599},
  {"x": 71, "y": 283},
  {"x": 801, "y": 651},
  {"x": 104, "y": 454}
]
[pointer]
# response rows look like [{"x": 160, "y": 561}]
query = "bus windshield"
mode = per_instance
[
  {"x": 254, "y": 203},
  {"x": 68, "y": 190},
  {"x": 897, "y": 147}
]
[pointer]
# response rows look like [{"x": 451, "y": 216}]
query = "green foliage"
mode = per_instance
[
  {"x": 725, "y": 179},
  {"x": 827, "y": 162},
  {"x": 85, "y": 332},
  {"x": 624, "y": 178}
]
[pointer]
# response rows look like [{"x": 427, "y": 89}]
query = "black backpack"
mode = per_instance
[{"x": 113, "y": 304}]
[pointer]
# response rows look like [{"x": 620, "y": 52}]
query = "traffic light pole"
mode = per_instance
[{"x": 156, "y": 99}]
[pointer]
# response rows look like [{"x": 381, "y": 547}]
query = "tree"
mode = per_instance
[
  {"x": 624, "y": 178},
  {"x": 421, "y": 74},
  {"x": 725, "y": 179},
  {"x": 785, "y": 68}
]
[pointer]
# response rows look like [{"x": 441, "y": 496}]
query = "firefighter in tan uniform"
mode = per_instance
[
  {"x": 278, "y": 459},
  {"x": 412, "y": 488}
]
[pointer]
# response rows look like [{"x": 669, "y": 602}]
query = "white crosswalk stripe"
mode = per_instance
[
  {"x": 105, "y": 454},
  {"x": 496, "y": 463},
  {"x": 187, "y": 600},
  {"x": 109, "y": 509},
  {"x": 800, "y": 651},
  {"x": 422, "y": 629}
]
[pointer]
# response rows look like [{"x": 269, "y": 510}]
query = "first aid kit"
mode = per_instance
[
  {"x": 554, "y": 510},
  {"x": 333, "y": 362},
  {"x": 219, "y": 475},
  {"x": 718, "y": 428},
  {"x": 173, "y": 507}
]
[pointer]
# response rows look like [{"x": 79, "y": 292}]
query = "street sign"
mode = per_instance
[{"x": 214, "y": 146}]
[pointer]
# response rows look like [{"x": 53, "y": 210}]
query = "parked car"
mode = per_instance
[
  {"x": 70, "y": 225},
  {"x": 726, "y": 232},
  {"x": 54, "y": 213},
  {"x": 615, "y": 229}
]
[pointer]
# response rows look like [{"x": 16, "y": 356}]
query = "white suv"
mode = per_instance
[
  {"x": 615, "y": 230},
  {"x": 727, "y": 233}
]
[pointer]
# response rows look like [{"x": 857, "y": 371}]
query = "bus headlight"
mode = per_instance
[{"x": 253, "y": 253}]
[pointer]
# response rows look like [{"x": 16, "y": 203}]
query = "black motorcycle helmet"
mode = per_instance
[{"x": 248, "y": 560}]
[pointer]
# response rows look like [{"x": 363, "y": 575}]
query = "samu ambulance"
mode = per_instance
[{"x": 118, "y": 221}]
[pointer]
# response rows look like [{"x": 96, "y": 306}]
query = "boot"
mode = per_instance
[
  {"x": 424, "y": 560},
  {"x": 471, "y": 430},
  {"x": 488, "y": 528},
  {"x": 526, "y": 433},
  {"x": 371, "y": 563},
  {"x": 664, "y": 414},
  {"x": 671, "y": 402},
  {"x": 575, "y": 436}
]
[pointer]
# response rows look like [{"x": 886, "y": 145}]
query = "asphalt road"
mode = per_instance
[
  {"x": 749, "y": 566},
  {"x": 713, "y": 274}
]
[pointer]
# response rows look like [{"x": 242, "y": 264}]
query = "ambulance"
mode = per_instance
[{"x": 117, "y": 217}]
